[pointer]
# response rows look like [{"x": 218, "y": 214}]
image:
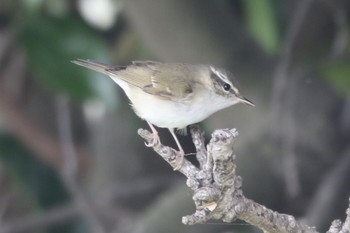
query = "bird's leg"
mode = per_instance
[
  {"x": 181, "y": 151},
  {"x": 156, "y": 139}
]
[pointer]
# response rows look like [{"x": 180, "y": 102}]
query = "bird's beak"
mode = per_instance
[{"x": 244, "y": 100}]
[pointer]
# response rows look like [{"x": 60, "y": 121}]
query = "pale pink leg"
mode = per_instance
[
  {"x": 156, "y": 138},
  {"x": 182, "y": 153}
]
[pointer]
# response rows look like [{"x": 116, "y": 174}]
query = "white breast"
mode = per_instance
[{"x": 169, "y": 114}]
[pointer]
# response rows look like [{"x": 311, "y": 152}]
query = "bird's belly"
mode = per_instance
[{"x": 167, "y": 113}]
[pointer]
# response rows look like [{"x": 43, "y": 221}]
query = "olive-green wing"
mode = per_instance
[{"x": 164, "y": 80}]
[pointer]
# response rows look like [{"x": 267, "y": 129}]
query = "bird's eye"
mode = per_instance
[{"x": 227, "y": 87}]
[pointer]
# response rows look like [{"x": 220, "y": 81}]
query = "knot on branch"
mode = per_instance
[
  {"x": 220, "y": 149},
  {"x": 214, "y": 181}
]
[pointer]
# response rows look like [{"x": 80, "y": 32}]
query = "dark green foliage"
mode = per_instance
[{"x": 52, "y": 43}]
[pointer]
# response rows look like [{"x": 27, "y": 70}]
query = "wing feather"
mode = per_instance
[
  {"x": 168, "y": 81},
  {"x": 156, "y": 78}
]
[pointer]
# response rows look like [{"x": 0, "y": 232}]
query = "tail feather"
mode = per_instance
[{"x": 97, "y": 66}]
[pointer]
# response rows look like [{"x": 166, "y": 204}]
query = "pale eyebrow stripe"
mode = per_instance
[{"x": 221, "y": 79}]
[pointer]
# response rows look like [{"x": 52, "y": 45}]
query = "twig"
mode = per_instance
[
  {"x": 69, "y": 168},
  {"x": 281, "y": 98},
  {"x": 345, "y": 116},
  {"x": 217, "y": 192},
  {"x": 328, "y": 191},
  {"x": 43, "y": 146},
  {"x": 341, "y": 34},
  {"x": 6, "y": 42},
  {"x": 3, "y": 207},
  {"x": 281, "y": 71},
  {"x": 288, "y": 128},
  {"x": 339, "y": 227}
]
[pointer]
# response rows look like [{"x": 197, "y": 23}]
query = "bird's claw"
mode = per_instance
[
  {"x": 180, "y": 155},
  {"x": 155, "y": 141}
]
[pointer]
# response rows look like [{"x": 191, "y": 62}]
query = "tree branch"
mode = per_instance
[
  {"x": 218, "y": 189},
  {"x": 69, "y": 168},
  {"x": 44, "y": 147}
]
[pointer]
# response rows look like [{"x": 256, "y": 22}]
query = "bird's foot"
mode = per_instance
[{"x": 155, "y": 140}]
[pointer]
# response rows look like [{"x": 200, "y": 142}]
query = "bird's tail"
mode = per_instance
[{"x": 97, "y": 66}]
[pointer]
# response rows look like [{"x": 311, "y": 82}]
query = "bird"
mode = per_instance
[{"x": 172, "y": 95}]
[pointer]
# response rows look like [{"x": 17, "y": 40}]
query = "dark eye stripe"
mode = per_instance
[{"x": 226, "y": 86}]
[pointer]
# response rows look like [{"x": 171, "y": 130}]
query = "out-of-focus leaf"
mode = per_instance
[
  {"x": 56, "y": 8},
  {"x": 37, "y": 179},
  {"x": 262, "y": 23},
  {"x": 32, "y": 5},
  {"x": 338, "y": 75},
  {"x": 51, "y": 44}
]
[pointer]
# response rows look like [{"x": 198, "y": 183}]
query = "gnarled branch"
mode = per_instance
[{"x": 218, "y": 189}]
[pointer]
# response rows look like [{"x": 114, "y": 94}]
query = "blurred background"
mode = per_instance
[{"x": 70, "y": 157}]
